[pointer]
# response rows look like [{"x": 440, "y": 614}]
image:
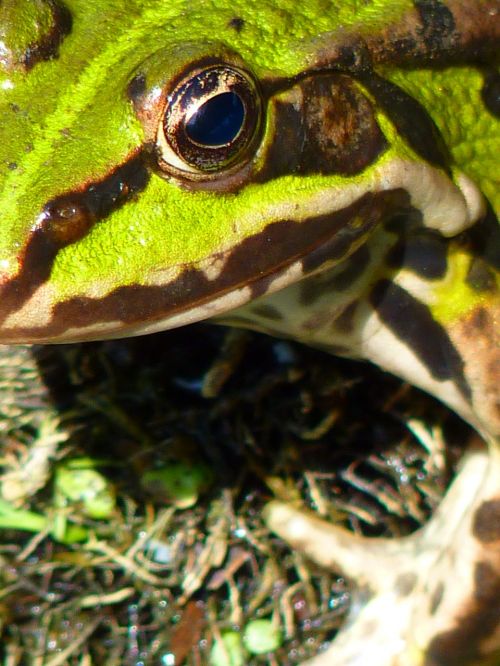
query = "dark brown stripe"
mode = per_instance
[
  {"x": 252, "y": 263},
  {"x": 47, "y": 46},
  {"x": 411, "y": 120},
  {"x": 411, "y": 322},
  {"x": 352, "y": 225},
  {"x": 68, "y": 218}
]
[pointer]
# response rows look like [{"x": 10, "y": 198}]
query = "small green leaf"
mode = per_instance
[
  {"x": 228, "y": 651},
  {"x": 261, "y": 636}
]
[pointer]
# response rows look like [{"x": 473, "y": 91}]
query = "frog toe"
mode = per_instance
[{"x": 429, "y": 598}]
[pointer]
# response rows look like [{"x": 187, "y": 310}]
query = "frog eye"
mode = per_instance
[{"x": 210, "y": 121}]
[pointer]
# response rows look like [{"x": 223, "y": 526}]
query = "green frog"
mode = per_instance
[{"x": 324, "y": 171}]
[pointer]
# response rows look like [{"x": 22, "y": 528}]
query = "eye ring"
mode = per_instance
[{"x": 210, "y": 121}]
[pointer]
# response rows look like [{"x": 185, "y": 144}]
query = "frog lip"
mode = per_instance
[{"x": 283, "y": 252}]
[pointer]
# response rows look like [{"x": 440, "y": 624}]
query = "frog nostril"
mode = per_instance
[{"x": 218, "y": 121}]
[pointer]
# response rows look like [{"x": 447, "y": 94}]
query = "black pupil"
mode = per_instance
[{"x": 218, "y": 121}]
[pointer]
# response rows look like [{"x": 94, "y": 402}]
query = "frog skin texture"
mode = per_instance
[{"x": 351, "y": 205}]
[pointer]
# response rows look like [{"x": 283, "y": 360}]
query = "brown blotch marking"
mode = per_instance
[
  {"x": 432, "y": 34},
  {"x": 486, "y": 523},
  {"x": 436, "y": 598},
  {"x": 342, "y": 133},
  {"x": 476, "y": 623},
  {"x": 267, "y": 312},
  {"x": 482, "y": 359},
  {"x": 327, "y": 125},
  {"x": 405, "y": 584}
]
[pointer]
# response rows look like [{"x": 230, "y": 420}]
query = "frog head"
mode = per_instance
[{"x": 151, "y": 178}]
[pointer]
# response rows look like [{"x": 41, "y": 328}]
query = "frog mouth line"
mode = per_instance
[{"x": 251, "y": 267}]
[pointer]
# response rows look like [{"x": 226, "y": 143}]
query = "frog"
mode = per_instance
[{"x": 323, "y": 171}]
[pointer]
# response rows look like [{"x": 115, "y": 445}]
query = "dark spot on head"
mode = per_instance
[
  {"x": 67, "y": 220},
  {"x": 405, "y": 584},
  {"x": 436, "y": 598},
  {"x": 486, "y": 525},
  {"x": 490, "y": 93},
  {"x": 237, "y": 23}
]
